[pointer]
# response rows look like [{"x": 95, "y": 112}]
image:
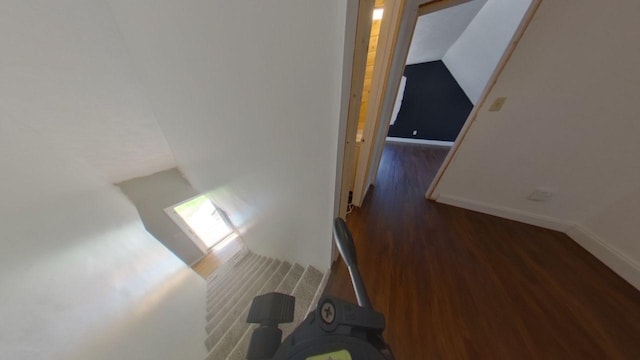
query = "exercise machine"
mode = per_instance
[{"x": 336, "y": 330}]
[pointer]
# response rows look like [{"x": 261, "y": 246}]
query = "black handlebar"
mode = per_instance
[
  {"x": 344, "y": 241},
  {"x": 335, "y": 327}
]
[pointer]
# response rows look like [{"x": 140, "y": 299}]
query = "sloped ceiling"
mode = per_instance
[
  {"x": 436, "y": 32},
  {"x": 66, "y": 74},
  {"x": 249, "y": 96}
]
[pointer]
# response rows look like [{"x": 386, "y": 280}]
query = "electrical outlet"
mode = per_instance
[
  {"x": 541, "y": 194},
  {"x": 497, "y": 104},
  {"x": 415, "y": 132}
]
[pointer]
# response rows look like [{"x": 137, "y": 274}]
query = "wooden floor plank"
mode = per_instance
[
  {"x": 216, "y": 257},
  {"x": 456, "y": 284}
]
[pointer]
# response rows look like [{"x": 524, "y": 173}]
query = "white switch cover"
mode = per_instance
[{"x": 497, "y": 104}]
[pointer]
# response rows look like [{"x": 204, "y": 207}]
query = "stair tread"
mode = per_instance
[
  {"x": 323, "y": 284},
  {"x": 232, "y": 262},
  {"x": 229, "y": 340},
  {"x": 236, "y": 273},
  {"x": 221, "y": 322},
  {"x": 231, "y": 274},
  {"x": 287, "y": 285},
  {"x": 225, "y": 300},
  {"x": 215, "y": 298},
  {"x": 231, "y": 291},
  {"x": 304, "y": 293}
]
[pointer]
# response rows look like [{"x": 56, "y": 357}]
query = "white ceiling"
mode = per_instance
[
  {"x": 66, "y": 74},
  {"x": 436, "y": 32}
]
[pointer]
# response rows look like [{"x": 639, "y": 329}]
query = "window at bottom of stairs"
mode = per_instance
[{"x": 201, "y": 220}]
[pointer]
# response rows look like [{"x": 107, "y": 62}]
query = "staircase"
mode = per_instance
[{"x": 232, "y": 287}]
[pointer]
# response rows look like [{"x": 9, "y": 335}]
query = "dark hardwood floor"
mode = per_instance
[{"x": 456, "y": 284}]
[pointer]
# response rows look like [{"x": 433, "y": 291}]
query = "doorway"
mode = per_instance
[
  {"x": 473, "y": 39},
  {"x": 431, "y": 105}
]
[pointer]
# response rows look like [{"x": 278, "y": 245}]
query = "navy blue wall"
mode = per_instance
[{"x": 433, "y": 104}]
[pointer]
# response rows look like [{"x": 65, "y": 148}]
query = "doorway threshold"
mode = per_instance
[{"x": 421, "y": 141}]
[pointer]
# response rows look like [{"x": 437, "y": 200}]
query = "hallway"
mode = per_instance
[{"x": 456, "y": 284}]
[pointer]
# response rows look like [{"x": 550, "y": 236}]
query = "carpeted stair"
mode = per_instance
[{"x": 232, "y": 288}]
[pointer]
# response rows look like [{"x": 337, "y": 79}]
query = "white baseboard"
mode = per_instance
[
  {"x": 617, "y": 261},
  {"x": 421, "y": 141},
  {"x": 507, "y": 213},
  {"x": 620, "y": 263}
]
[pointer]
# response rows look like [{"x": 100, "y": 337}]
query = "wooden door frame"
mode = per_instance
[
  {"x": 357, "y": 67},
  {"x": 410, "y": 19},
  {"x": 394, "y": 16},
  {"x": 435, "y": 5},
  {"x": 353, "y": 65},
  {"x": 396, "y": 33},
  {"x": 401, "y": 17}
]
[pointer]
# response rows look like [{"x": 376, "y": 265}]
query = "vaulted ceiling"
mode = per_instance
[{"x": 436, "y": 32}]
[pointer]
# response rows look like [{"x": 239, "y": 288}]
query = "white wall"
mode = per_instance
[
  {"x": 248, "y": 96},
  {"x": 474, "y": 56},
  {"x": 65, "y": 72},
  {"x": 151, "y": 195},
  {"x": 619, "y": 223},
  {"x": 569, "y": 123},
  {"x": 435, "y": 33},
  {"x": 81, "y": 278},
  {"x": 612, "y": 235}
]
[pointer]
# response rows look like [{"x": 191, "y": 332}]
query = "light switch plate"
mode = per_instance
[{"x": 497, "y": 104}]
